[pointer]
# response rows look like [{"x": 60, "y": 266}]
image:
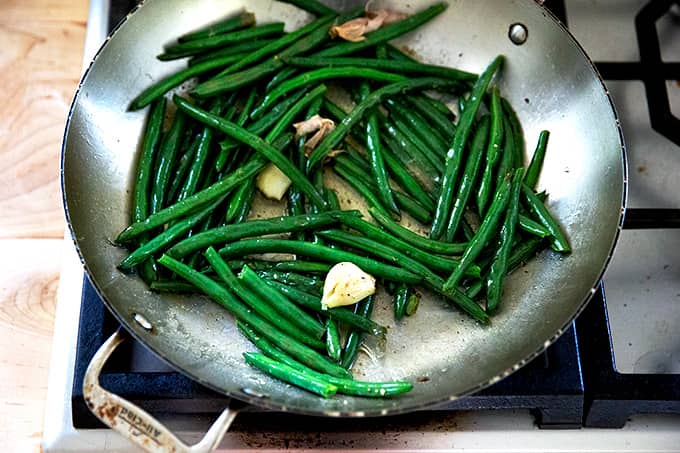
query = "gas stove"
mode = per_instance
[{"x": 611, "y": 382}]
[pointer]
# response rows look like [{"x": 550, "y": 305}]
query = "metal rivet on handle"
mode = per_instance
[
  {"x": 518, "y": 33},
  {"x": 142, "y": 321}
]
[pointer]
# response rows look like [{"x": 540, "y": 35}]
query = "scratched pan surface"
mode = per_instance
[{"x": 550, "y": 82}]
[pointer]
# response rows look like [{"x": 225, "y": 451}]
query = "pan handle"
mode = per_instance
[{"x": 136, "y": 424}]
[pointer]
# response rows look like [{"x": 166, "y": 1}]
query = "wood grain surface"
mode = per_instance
[{"x": 41, "y": 44}]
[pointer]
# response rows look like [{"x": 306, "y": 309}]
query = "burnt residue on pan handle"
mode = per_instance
[{"x": 136, "y": 424}]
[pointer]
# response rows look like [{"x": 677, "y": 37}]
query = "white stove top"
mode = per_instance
[{"x": 642, "y": 287}]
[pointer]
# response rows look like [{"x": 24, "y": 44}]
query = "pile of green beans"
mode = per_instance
[{"x": 455, "y": 169}]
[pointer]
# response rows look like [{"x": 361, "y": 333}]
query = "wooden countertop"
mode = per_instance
[{"x": 40, "y": 63}]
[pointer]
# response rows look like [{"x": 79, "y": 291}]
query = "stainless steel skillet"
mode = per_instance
[{"x": 549, "y": 80}]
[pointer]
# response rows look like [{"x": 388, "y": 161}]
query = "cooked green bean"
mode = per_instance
[
  {"x": 559, "y": 241},
  {"x": 493, "y": 152},
  {"x": 406, "y": 181},
  {"x": 534, "y": 169},
  {"x": 419, "y": 242},
  {"x": 435, "y": 156},
  {"x": 419, "y": 128},
  {"x": 261, "y": 306},
  {"x": 376, "y": 153},
  {"x": 161, "y": 87},
  {"x": 152, "y": 135},
  {"x": 312, "y": 285},
  {"x": 239, "y": 205},
  {"x": 346, "y": 386},
  {"x": 222, "y": 157},
  {"x": 468, "y": 178},
  {"x": 167, "y": 237},
  {"x": 166, "y": 158},
  {"x": 524, "y": 252},
  {"x": 190, "y": 146},
  {"x": 402, "y": 67},
  {"x": 340, "y": 314},
  {"x": 311, "y": 6},
  {"x": 310, "y": 267},
  {"x": 224, "y": 297},
  {"x": 400, "y": 299},
  {"x": 333, "y": 348},
  {"x": 412, "y": 304},
  {"x": 399, "y": 143},
  {"x": 532, "y": 227},
  {"x": 517, "y": 133},
  {"x": 265, "y": 149},
  {"x": 499, "y": 266},
  {"x": 455, "y": 153},
  {"x": 242, "y": 20},
  {"x": 363, "y": 310},
  {"x": 321, "y": 75},
  {"x": 360, "y": 186},
  {"x": 507, "y": 158},
  {"x": 320, "y": 252},
  {"x": 172, "y": 286},
  {"x": 280, "y": 302},
  {"x": 240, "y": 50},
  {"x": 299, "y": 41},
  {"x": 436, "y": 117},
  {"x": 438, "y": 263},
  {"x": 384, "y": 34},
  {"x": 193, "y": 47},
  {"x": 261, "y": 227},
  {"x": 290, "y": 375},
  {"x": 336, "y": 136},
  {"x": 487, "y": 230}
]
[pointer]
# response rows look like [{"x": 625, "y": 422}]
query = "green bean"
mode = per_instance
[
  {"x": 287, "y": 119},
  {"x": 534, "y": 169},
  {"x": 309, "y": 267},
  {"x": 280, "y": 302},
  {"x": 363, "y": 310},
  {"x": 401, "y": 67},
  {"x": 435, "y": 262},
  {"x": 299, "y": 41},
  {"x": 274, "y": 225},
  {"x": 385, "y": 33},
  {"x": 421, "y": 130},
  {"x": 261, "y": 306},
  {"x": 406, "y": 181},
  {"x": 559, "y": 241},
  {"x": 323, "y": 74},
  {"x": 436, "y": 118},
  {"x": 532, "y": 227},
  {"x": 239, "y": 206},
  {"x": 311, "y": 6},
  {"x": 279, "y": 78},
  {"x": 161, "y": 87},
  {"x": 433, "y": 155},
  {"x": 376, "y": 153},
  {"x": 182, "y": 168},
  {"x": 468, "y": 178},
  {"x": 340, "y": 314},
  {"x": 242, "y": 20},
  {"x": 240, "y": 50},
  {"x": 493, "y": 152},
  {"x": 188, "y": 48},
  {"x": 346, "y": 386},
  {"x": 518, "y": 134},
  {"x": 312, "y": 285},
  {"x": 357, "y": 184},
  {"x": 332, "y": 198},
  {"x": 486, "y": 232},
  {"x": 187, "y": 205},
  {"x": 166, "y": 238},
  {"x": 336, "y": 136},
  {"x": 222, "y": 157},
  {"x": 202, "y": 152},
  {"x": 455, "y": 152},
  {"x": 524, "y": 252},
  {"x": 467, "y": 230},
  {"x": 171, "y": 286},
  {"x": 400, "y": 299},
  {"x": 412, "y": 304},
  {"x": 166, "y": 158},
  {"x": 265, "y": 149},
  {"x": 333, "y": 348},
  {"x": 499, "y": 266},
  {"x": 401, "y": 145},
  {"x": 506, "y": 163},
  {"x": 140, "y": 200},
  {"x": 290, "y": 375},
  {"x": 474, "y": 289},
  {"x": 224, "y": 297},
  {"x": 320, "y": 252},
  {"x": 415, "y": 240}
]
